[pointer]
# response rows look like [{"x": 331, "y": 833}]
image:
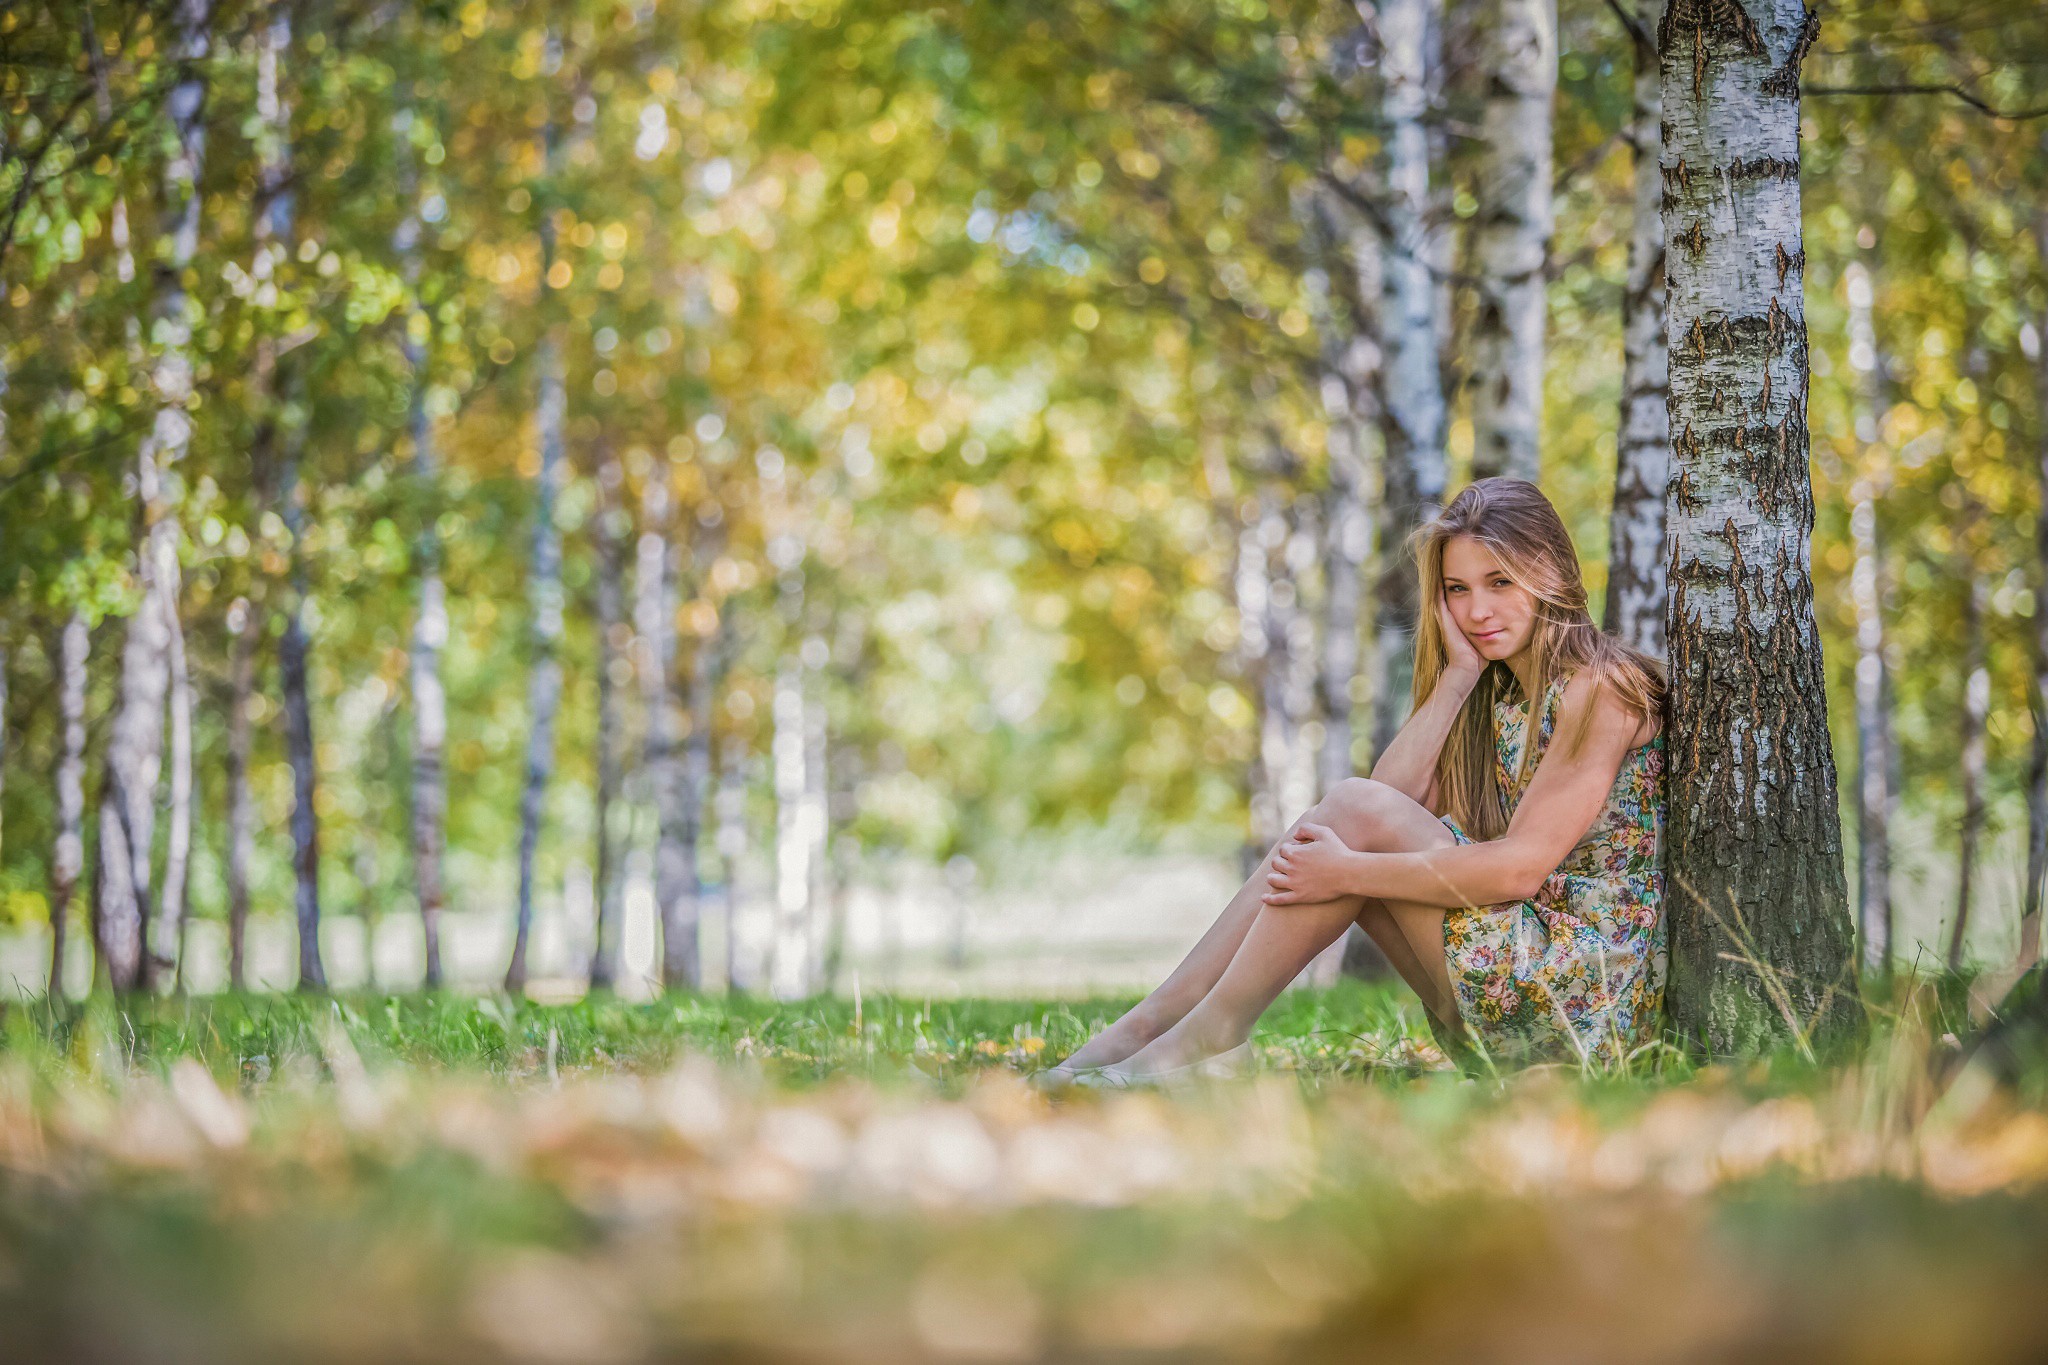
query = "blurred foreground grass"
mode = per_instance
[{"x": 373, "y": 1179}]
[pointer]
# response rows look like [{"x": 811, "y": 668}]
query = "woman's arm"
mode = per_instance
[
  {"x": 1564, "y": 798},
  {"x": 1409, "y": 763}
]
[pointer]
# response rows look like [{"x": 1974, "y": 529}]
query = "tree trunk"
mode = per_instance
[
  {"x": 789, "y": 974},
  {"x": 134, "y": 755},
  {"x": 430, "y": 625},
  {"x": 68, "y": 857},
  {"x": 1411, "y": 399},
  {"x": 543, "y": 583},
  {"x": 2037, "y": 778},
  {"x": 1636, "y": 590},
  {"x": 1874, "y": 751},
  {"x": 1519, "y": 50},
  {"x": 293, "y": 649},
  {"x": 1760, "y": 937},
  {"x": 732, "y": 845},
  {"x": 1976, "y": 706},
  {"x": 246, "y": 625},
  {"x": 168, "y": 939},
  {"x": 611, "y": 625},
  {"x": 817, "y": 814},
  {"x": 544, "y": 687}
]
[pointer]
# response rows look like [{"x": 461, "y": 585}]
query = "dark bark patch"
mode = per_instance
[
  {"x": 1763, "y": 168},
  {"x": 1709, "y": 21},
  {"x": 1784, "y": 82},
  {"x": 1694, "y": 238}
]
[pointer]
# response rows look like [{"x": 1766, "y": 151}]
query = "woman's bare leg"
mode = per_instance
[
  {"x": 1281, "y": 939},
  {"x": 1184, "y": 986}
]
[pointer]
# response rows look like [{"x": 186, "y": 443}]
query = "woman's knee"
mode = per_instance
[{"x": 1355, "y": 807}]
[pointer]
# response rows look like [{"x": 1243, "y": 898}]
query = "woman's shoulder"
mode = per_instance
[{"x": 1597, "y": 692}]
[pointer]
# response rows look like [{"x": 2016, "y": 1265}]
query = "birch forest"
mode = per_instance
[
  {"x": 539, "y": 471},
  {"x": 621, "y": 619}
]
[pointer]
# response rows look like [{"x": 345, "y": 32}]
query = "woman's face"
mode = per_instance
[{"x": 1496, "y": 614}]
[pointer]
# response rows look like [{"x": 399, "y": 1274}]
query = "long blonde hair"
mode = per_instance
[{"x": 1518, "y": 524}]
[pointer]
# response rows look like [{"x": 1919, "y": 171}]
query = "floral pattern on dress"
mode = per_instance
[{"x": 1576, "y": 972}]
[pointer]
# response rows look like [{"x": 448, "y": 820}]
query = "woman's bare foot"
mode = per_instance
[
  {"x": 1126, "y": 1036},
  {"x": 1190, "y": 1041}
]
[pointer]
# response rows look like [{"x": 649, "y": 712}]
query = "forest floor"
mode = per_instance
[{"x": 465, "y": 1179}]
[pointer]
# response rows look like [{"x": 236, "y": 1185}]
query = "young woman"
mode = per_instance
[{"x": 1504, "y": 854}]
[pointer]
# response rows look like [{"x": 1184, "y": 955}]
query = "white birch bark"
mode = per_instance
[
  {"x": 1976, "y": 707},
  {"x": 1761, "y": 945},
  {"x": 167, "y": 940},
  {"x": 134, "y": 756},
  {"x": 608, "y": 531},
  {"x": 1512, "y": 236},
  {"x": 732, "y": 848},
  {"x": 544, "y": 580},
  {"x": 67, "y": 858},
  {"x": 245, "y": 627},
  {"x": 428, "y": 781},
  {"x": 654, "y": 628},
  {"x": 1636, "y": 589},
  {"x": 1412, "y": 399},
  {"x": 1874, "y": 759},
  {"x": 788, "y": 972},
  {"x": 544, "y": 598}
]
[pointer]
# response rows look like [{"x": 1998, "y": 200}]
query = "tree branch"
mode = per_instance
[{"x": 1974, "y": 101}]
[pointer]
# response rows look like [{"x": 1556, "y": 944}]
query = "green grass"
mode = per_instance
[{"x": 410, "y": 1178}]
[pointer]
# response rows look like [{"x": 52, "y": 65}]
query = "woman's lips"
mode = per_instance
[{"x": 1488, "y": 635}]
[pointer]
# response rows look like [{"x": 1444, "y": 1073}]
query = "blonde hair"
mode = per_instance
[{"x": 1518, "y": 524}]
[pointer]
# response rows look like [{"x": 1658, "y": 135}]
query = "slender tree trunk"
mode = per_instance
[
  {"x": 430, "y": 623},
  {"x": 1412, "y": 399},
  {"x": 544, "y": 689},
  {"x": 246, "y": 625},
  {"x": 68, "y": 857},
  {"x": 788, "y": 973},
  {"x": 543, "y": 592},
  {"x": 169, "y": 937},
  {"x": 1351, "y": 359},
  {"x": 1260, "y": 670},
  {"x": 1976, "y": 707},
  {"x": 1636, "y": 590},
  {"x": 1874, "y": 750},
  {"x": 611, "y": 625},
  {"x": 674, "y": 853},
  {"x": 1761, "y": 943},
  {"x": 2037, "y": 777},
  {"x": 732, "y": 845},
  {"x": 1519, "y": 50},
  {"x": 135, "y": 741},
  {"x": 293, "y": 651},
  {"x": 707, "y": 665},
  {"x": 817, "y": 813}
]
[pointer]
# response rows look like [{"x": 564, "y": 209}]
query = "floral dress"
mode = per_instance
[{"x": 1577, "y": 971}]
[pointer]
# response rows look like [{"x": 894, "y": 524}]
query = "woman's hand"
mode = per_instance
[
  {"x": 1459, "y": 655},
  {"x": 1308, "y": 867}
]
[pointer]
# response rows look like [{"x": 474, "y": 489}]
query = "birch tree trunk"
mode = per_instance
[
  {"x": 1636, "y": 590},
  {"x": 1874, "y": 757},
  {"x": 68, "y": 856},
  {"x": 544, "y": 598},
  {"x": 1519, "y": 53},
  {"x": 168, "y": 938},
  {"x": 428, "y": 782},
  {"x": 1760, "y": 937},
  {"x": 611, "y": 625},
  {"x": 655, "y": 613},
  {"x": 245, "y": 623},
  {"x": 134, "y": 756},
  {"x": 732, "y": 846},
  {"x": 1976, "y": 707},
  {"x": 293, "y": 651},
  {"x": 2037, "y": 777},
  {"x": 1412, "y": 399},
  {"x": 544, "y": 573}
]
